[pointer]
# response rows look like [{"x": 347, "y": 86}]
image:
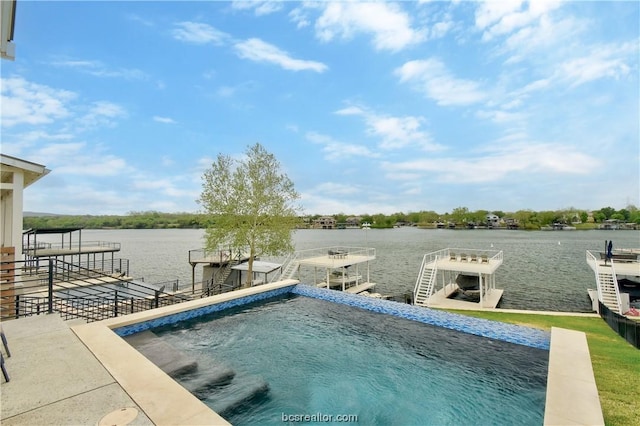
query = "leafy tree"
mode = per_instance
[
  {"x": 251, "y": 203},
  {"x": 460, "y": 215},
  {"x": 607, "y": 212},
  {"x": 599, "y": 216},
  {"x": 584, "y": 216}
]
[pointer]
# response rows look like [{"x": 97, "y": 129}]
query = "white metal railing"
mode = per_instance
[
  {"x": 615, "y": 287},
  {"x": 610, "y": 273},
  {"x": 31, "y": 247},
  {"x": 492, "y": 255},
  {"x": 593, "y": 262},
  {"x": 288, "y": 269},
  {"x": 318, "y": 252},
  {"x": 426, "y": 260}
]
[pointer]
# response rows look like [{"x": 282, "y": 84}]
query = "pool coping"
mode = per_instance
[{"x": 150, "y": 387}]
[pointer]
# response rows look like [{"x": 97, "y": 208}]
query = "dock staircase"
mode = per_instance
[
  {"x": 289, "y": 271},
  {"x": 608, "y": 291},
  {"x": 217, "y": 280},
  {"x": 425, "y": 282}
]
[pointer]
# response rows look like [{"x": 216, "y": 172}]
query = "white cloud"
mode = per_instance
[
  {"x": 139, "y": 19},
  {"x": 500, "y": 116},
  {"x": 198, "y": 33},
  {"x": 603, "y": 61},
  {"x": 24, "y": 102},
  {"x": 335, "y": 150},
  {"x": 351, "y": 110},
  {"x": 260, "y": 7},
  {"x": 498, "y": 18},
  {"x": 106, "y": 109},
  {"x": 394, "y": 132},
  {"x": 78, "y": 158},
  {"x": 257, "y": 50},
  {"x": 498, "y": 163},
  {"x": 100, "y": 113},
  {"x": 299, "y": 16},
  {"x": 431, "y": 77},
  {"x": 491, "y": 12},
  {"x": 166, "y": 120},
  {"x": 440, "y": 29},
  {"x": 98, "y": 69},
  {"x": 388, "y": 24}
]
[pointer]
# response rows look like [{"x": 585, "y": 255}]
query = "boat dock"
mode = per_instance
[
  {"x": 343, "y": 268},
  {"x": 617, "y": 279},
  {"x": 439, "y": 280}
]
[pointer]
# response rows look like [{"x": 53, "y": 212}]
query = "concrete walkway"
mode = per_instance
[{"x": 56, "y": 380}]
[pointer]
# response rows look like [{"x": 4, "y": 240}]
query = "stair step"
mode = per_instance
[
  {"x": 166, "y": 357},
  {"x": 209, "y": 376},
  {"x": 241, "y": 392}
]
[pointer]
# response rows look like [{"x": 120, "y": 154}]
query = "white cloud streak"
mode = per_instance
[
  {"x": 257, "y": 50},
  {"x": 532, "y": 158},
  {"x": 99, "y": 69},
  {"x": 394, "y": 132},
  {"x": 389, "y": 26},
  {"x": 338, "y": 151},
  {"x": 165, "y": 120},
  {"x": 260, "y": 7},
  {"x": 198, "y": 33},
  {"x": 431, "y": 77}
]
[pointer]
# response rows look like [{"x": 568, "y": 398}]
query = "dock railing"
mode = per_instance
[
  {"x": 606, "y": 282},
  {"x": 76, "y": 292},
  {"x": 444, "y": 254},
  {"x": 337, "y": 251},
  {"x": 33, "y": 249},
  {"x": 221, "y": 254}
]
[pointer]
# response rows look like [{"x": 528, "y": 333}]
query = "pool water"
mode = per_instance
[{"x": 326, "y": 358}]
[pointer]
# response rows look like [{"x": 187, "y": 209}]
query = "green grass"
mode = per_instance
[{"x": 616, "y": 363}]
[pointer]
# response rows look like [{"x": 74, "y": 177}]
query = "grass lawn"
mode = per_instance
[{"x": 616, "y": 364}]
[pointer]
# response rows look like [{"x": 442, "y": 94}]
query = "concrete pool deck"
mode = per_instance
[{"x": 63, "y": 373}]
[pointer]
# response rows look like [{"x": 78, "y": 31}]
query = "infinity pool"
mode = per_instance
[{"x": 329, "y": 359}]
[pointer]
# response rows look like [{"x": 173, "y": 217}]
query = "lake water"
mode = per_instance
[{"x": 542, "y": 270}]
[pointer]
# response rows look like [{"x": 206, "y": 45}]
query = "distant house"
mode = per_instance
[
  {"x": 512, "y": 223},
  {"x": 325, "y": 222},
  {"x": 353, "y": 222},
  {"x": 493, "y": 221}
]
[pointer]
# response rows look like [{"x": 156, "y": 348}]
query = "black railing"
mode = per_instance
[
  {"x": 626, "y": 328},
  {"x": 76, "y": 291},
  {"x": 211, "y": 288}
]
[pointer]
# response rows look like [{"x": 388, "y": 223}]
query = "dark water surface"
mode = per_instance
[
  {"x": 318, "y": 356},
  {"x": 542, "y": 270}
]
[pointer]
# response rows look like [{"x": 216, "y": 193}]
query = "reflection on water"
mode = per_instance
[{"x": 541, "y": 269}]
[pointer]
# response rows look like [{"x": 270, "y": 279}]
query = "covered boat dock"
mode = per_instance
[
  {"x": 332, "y": 267},
  {"x": 443, "y": 272}
]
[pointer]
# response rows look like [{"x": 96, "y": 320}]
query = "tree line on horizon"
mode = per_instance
[{"x": 527, "y": 219}]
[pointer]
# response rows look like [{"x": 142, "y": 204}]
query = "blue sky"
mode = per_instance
[{"x": 369, "y": 107}]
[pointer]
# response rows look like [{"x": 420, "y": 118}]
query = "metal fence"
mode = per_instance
[
  {"x": 76, "y": 291},
  {"x": 626, "y": 328}
]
